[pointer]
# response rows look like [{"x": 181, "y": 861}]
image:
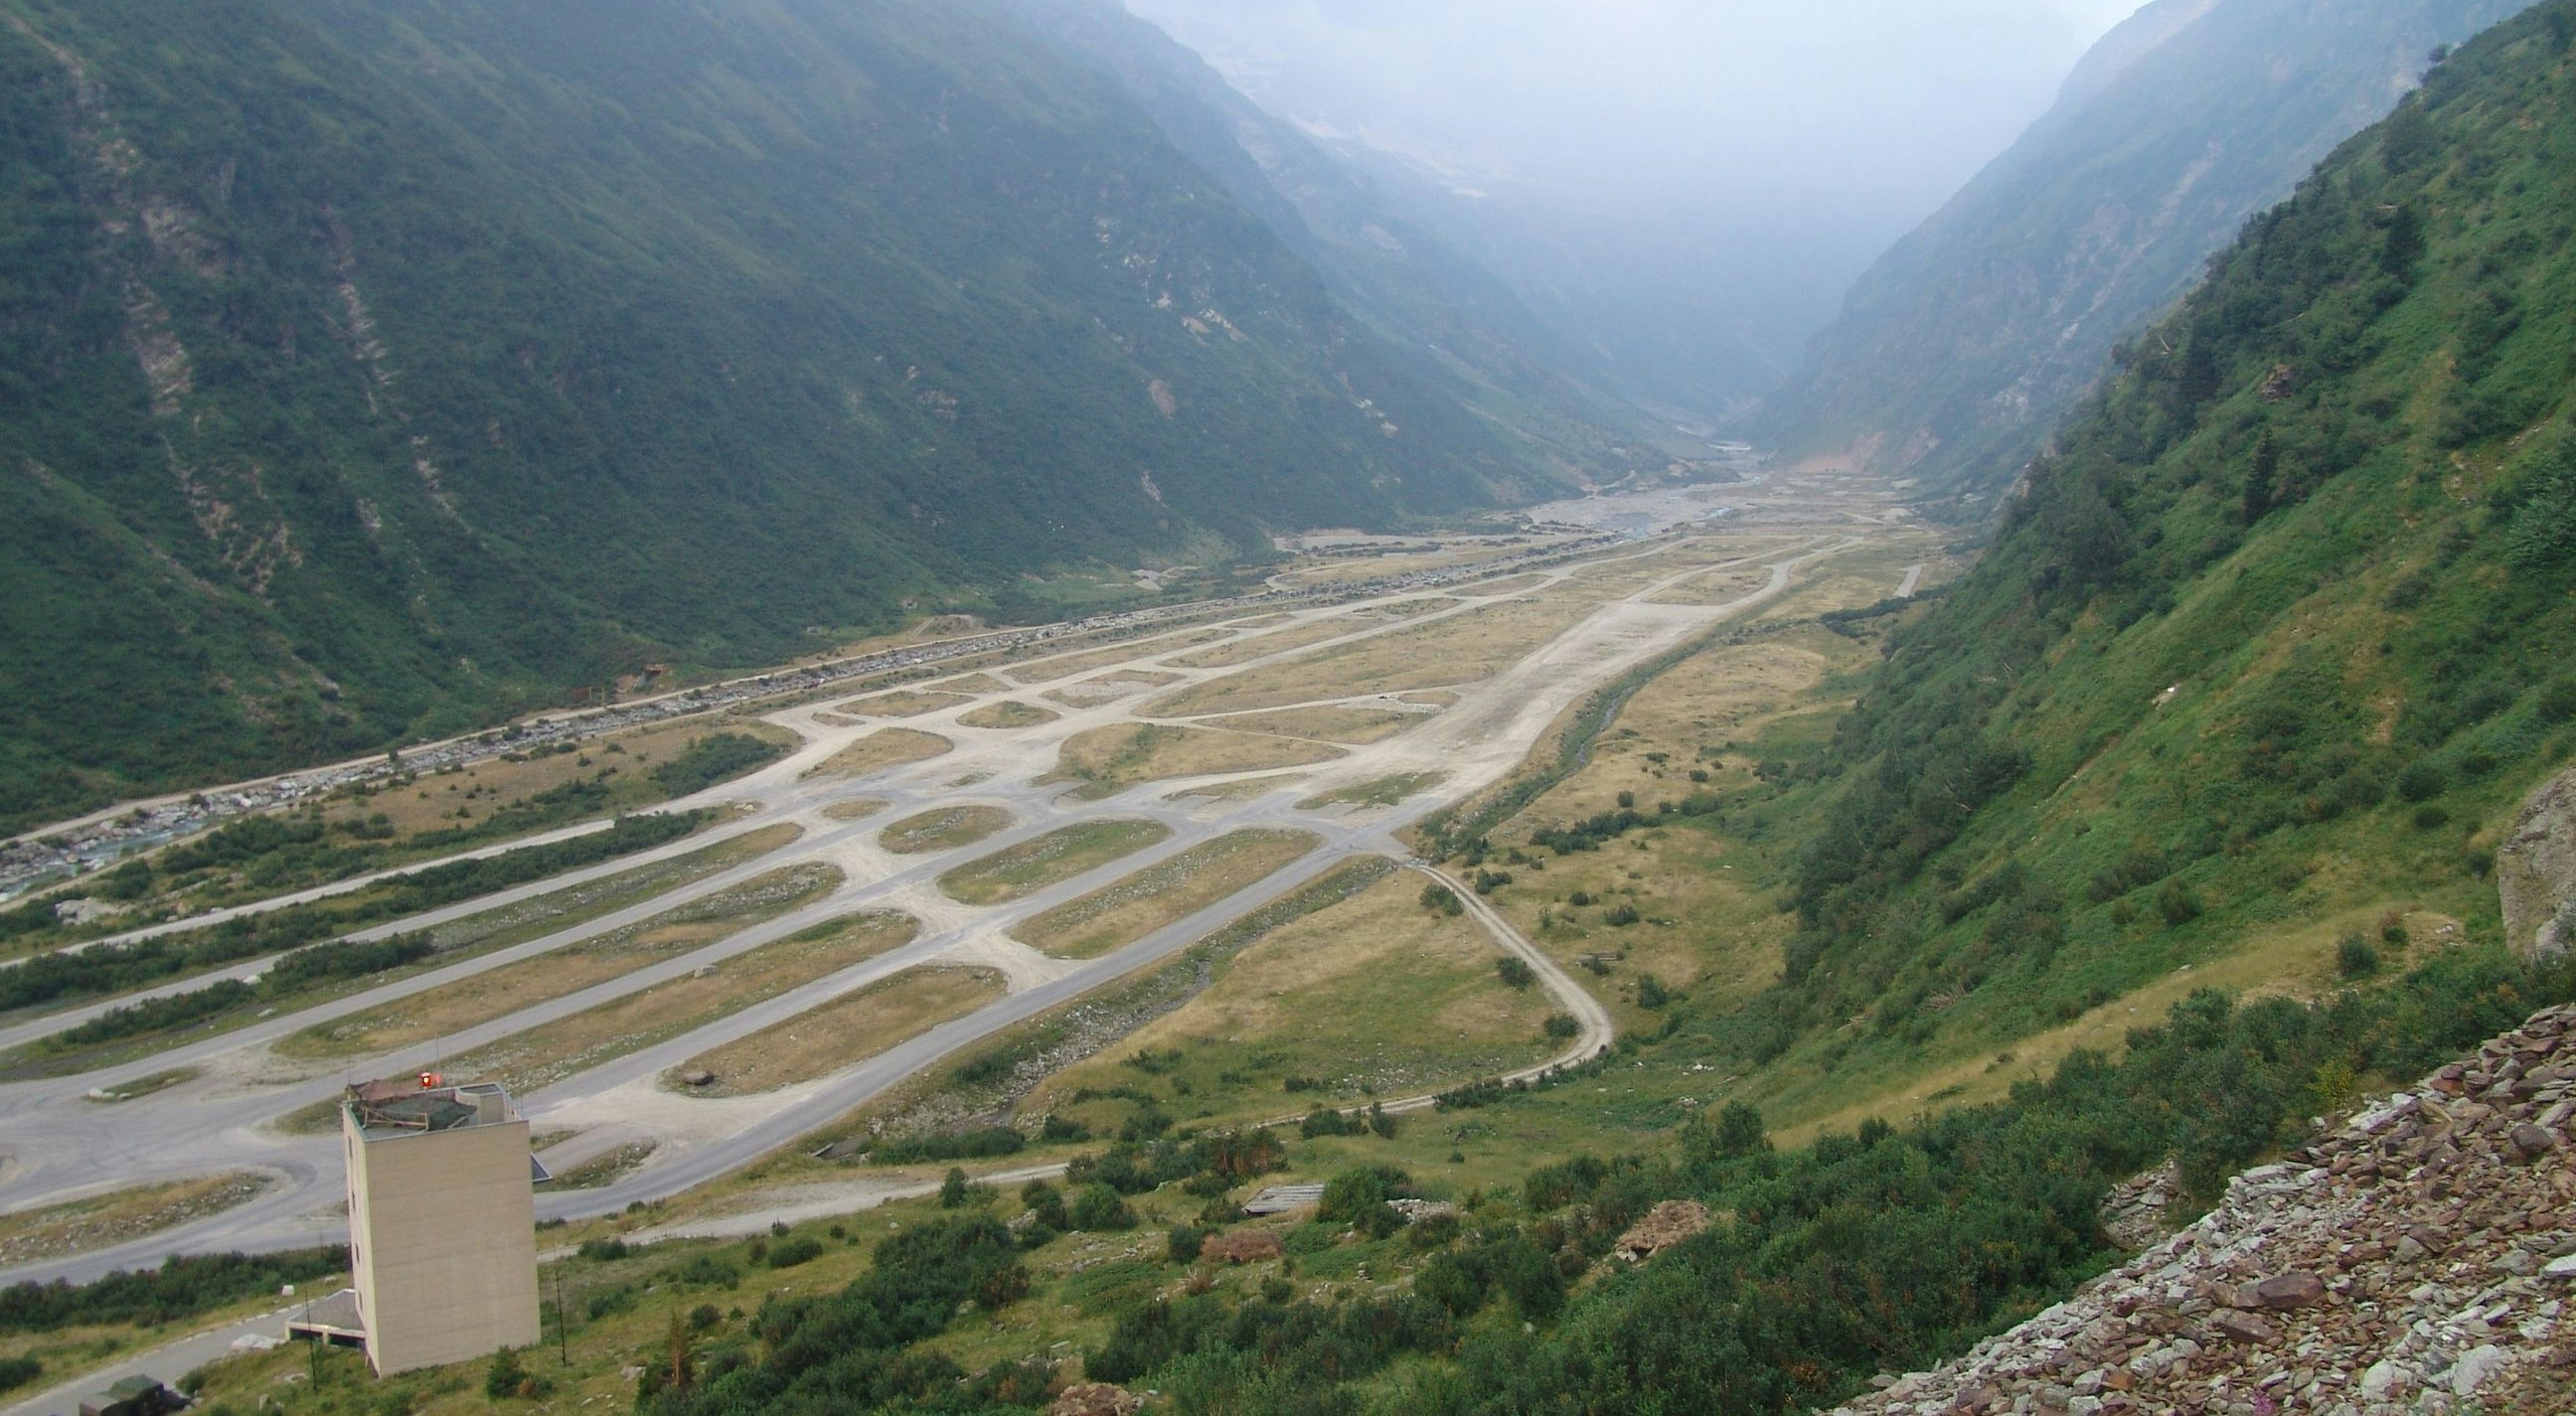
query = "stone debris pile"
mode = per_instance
[{"x": 2419, "y": 1260}]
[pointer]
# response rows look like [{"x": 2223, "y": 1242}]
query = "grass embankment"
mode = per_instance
[
  {"x": 903, "y": 703},
  {"x": 120, "y": 1216},
  {"x": 884, "y": 748},
  {"x": 1378, "y": 791},
  {"x": 849, "y": 1029},
  {"x": 321, "y": 972},
  {"x": 497, "y": 993},
  {"x": 1335, "y": 723},
  {"x": 544, "y": 1055},
  {"x": 1373, "y": 996},
  {"x": 1113, "y": 758},
  {"x": 1123, "y": 913},
  {"x": 943, "y": 830},
  {"x": 400, "y": 821},
  {"x": 1059, "y": 855},
  {"x": 1461, "y": 648},
  {"x": 1007, "y": 714}
]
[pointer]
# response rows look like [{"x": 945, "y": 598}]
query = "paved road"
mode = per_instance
[
  {"x": 55, "y": 1145},
  {"x": 167, "y": 1362}
]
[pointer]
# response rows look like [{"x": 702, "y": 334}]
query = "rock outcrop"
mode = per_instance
[
  {"x": 2420, "y": 1259},
  {"x": 2536, "y": 872}
]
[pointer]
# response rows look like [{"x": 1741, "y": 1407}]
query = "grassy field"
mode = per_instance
[
  {"x": 1331, "y": 723},
  {"x": 1033, "y": 865},
  {"x": 1373, "y": 996},
  {"x": 499, "y": 992},
  {"x": 1382, "y": 791},
  {"x": 496, "y": 783},
  {"x": 1461, "y": 648},
  {"x": 542, "y": 1056},
  {"x": 1125, "y": 754},
  {"x": 944, "y": 829},
  {"x": 888, "y": 747},
  {"x": 1123, "y": 913},
  {"x": 452, "y": 942},
  {"x": 1125, "y": 651},
  {"x": 1122, "y": 684},
  {"x": 849, "y": 1029},
  {"x": 971, "y": 683},
  {"x": 859, "y": 810},
  {"x": 30, "y": 1236},
  {"x": 902, "y": 703},
  {"x": 1009, "y": 713},
  {"x": 1260, "y": 646},
  {"x": 1706, "y": 922}
]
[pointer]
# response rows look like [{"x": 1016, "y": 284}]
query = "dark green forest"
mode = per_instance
[{"x": 373, "y": 371}]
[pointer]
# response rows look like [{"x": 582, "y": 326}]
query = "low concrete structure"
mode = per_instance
[{"x": 442, "y": 1222}]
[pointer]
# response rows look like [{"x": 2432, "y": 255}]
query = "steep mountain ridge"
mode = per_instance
[
  {"x": 1958, "y": 352},
  {"x": 397, "y": 368},
  {"x": 1397, "y": 275},
  {"x": 2276, "y": 643}
]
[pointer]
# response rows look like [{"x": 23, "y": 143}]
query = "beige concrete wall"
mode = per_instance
[{"x": 444, "y": 1228}]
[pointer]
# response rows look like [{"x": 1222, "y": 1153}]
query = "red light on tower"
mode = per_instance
[{"x": 428, "y": 1080}]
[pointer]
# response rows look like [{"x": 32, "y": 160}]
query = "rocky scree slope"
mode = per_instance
[
  {"x": 2421, "y": 1258},
  {"x": 373, "y": 370},
  {"x": 1957, "y": 353}
]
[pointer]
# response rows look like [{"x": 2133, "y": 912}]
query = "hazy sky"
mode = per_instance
[{"x": 1890, "y": 102}]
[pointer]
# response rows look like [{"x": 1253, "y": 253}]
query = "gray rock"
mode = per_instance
[
  {"x": 2536, "y": 872},
  {"x": 2477, "y": 1367}
]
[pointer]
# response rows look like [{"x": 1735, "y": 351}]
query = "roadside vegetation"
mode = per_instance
[{"x": 1058, "y": 855}]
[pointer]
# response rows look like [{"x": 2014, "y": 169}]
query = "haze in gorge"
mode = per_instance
[
  {"x": 1288, "y": 708},
  {"x": 1684, "y": 190}
]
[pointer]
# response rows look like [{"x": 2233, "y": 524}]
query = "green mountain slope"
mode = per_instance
[
  {"x": 1399, "y": 277},
  {"x": 1958, "y": 352},
  {"x": 372, "y": 370},
  {"x": 2276, "y": 641}
]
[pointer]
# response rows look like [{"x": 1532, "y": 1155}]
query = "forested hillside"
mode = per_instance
[
  {"x": 373, "y": 370},
  {"x": 1397, "y": 275},
  {"x": 2279, "y": 636},
  {"x": 1961, "y": 349}
]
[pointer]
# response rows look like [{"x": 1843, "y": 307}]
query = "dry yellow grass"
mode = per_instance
[
  {"x": 28, "y": 1236},
  {"x": 1509, "y": 585},
  {"x": 1381, "y": 791},
  {"x": 1341, "y": 570},
  {"x": 888, "y": 747},
  {"x": 849, "y": 1029},
  {"x": 972, "y": 683},
  {"x": 1124, "y": 754},
  {"x": 1033, "y": 865},
  {"x": 859, "y": 810},
  {"x": 902, "y": 703},
  {"x": 1008, "y": 714},
  {"x": 497, "y": 993},
  {"x": 1375, "y": 989},
  {"x": 1716, "y": 587},
  {"x": 493, "y": 783},
  {"x": 1240, "y": 789},
  {"x": 1109, "y": 686},
  {"x": 1460, "y": 648},
  {"x": 1706, "y": 928},
  {"x": 1330, "y": 723},
  {"x": 1123, "y": 913},
  {"x": 1261, "y": 646},
  {"x": 542, "y": 1056},
  {"x": 944, "y": 829},
  {"x": 1127, "y": 651}
]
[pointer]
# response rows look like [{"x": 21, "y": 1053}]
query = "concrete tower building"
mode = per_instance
[{"x": 442, "y": 1222}]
